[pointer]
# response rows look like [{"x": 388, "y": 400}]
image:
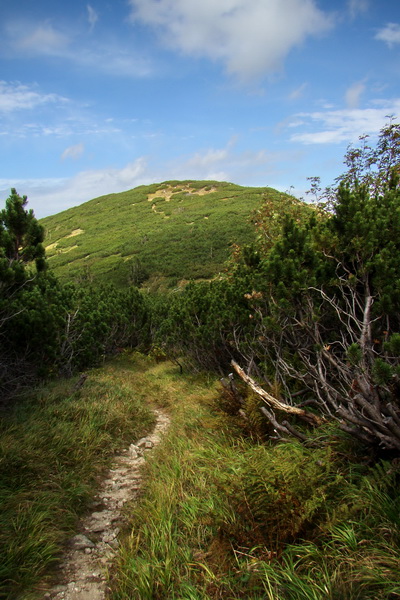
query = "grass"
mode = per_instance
[
  {"x": 186, "y": 232},
  {"x": 53, "y": 447},
  {"x": 223, "y": 517}
]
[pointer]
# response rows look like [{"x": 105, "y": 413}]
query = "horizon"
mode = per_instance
[{"x": 98, "y": 98}]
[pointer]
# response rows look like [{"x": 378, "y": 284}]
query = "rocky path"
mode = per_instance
[{"x": 82, "y": 572}]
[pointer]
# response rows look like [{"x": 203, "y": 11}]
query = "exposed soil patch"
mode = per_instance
[
  {"x": 51, "y": 246},
  {"x": 168, "y": 192},
  {"x": 82, "y": 572},
  {"x": 75, "y": 233}
]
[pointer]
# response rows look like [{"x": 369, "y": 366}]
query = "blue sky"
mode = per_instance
[{"x": 103, "y": 96}]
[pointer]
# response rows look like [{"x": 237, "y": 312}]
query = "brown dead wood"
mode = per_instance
[{"x": 274, "y": 402}]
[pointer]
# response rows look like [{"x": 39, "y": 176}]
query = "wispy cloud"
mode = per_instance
[
  {"x": 357, "y": 7},
  {"x": 93, "y": 17},
  {"x": 251, "y": 39},
  {"x": 389, "y": 34},
  {"x": 354, "y": 93},
  {"x": 16, "y": 96},
  {"x": 73, "y": 152},
  {"x": 37, "y": 39},
  {"x": 346, "y": 125},
  {"x": 298, "y": 92},
  {"x": 50, "y": 196},
  {"x": 74, "y": 47},
  {"x": 26, "y": 111},
  {"x": 225, "y": 164}
]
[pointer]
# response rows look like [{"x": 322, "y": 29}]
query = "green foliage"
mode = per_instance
[
  {"x": 21, "y": 247},
  {"x": 355, "y": 557},
  {"x": 46, "y": 327},
  {"x": 382, "y": 372},
  {"x": 197, "y": 322},
  {"x": 276, "y": 494},
  {"x": 21, "y": 236},
  {"x": 354, "y": 354},
  {"x": 59, "y": 329},
  {"x": 393, "y": 345},
  {"x": 314, "y": 303},
  {"x": 177, "y": 230},
  {"x": 256, "y": 424},
  {"x": 23, "y": 311}
]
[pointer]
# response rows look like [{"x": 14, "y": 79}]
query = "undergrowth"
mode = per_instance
[
  {"x": 224, "y": 516},
  {"x": 53, "y": 447}
]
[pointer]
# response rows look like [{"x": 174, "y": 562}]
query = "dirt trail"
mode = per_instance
[{"x": 82, "y": 571}]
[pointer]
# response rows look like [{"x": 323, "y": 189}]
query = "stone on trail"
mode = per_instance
[{"x": 80, "y": 542}]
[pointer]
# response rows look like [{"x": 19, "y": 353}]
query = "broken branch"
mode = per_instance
[{"x": 274, "y": 402}]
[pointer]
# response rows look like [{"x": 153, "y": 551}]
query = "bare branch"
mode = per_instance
[{"x": 273, "y": 402}]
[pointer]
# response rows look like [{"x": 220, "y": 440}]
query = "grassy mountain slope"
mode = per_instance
[{"x": 173, "y": 230}]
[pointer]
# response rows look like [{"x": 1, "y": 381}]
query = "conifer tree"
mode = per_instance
[{"x": 21, "y": 238}]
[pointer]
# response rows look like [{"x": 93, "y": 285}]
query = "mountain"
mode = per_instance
[{"x": 155, "y": 235}]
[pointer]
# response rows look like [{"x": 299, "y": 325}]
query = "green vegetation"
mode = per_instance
[
  {"x": 174, "y": 230},
  {"x": 311, "y": 308},
  {"x": 47, "y": 328},
  {"x": 254, "y": 494},
  {"x": 223, "y": 516},
  {"x": 50, "y": 329},
  {"x": 53, "y": 446}
]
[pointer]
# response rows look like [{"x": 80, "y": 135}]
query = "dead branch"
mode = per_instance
[{"x": 274, "y": 402}]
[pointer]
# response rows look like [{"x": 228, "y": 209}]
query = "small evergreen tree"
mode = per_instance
[
  {"x": 22, "y": 260},
  {"x": 21, "y": 238}
]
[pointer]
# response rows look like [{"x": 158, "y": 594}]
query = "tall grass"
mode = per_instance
[
  {"x": 53, "y": 446},
  {"x": 223, "y": 516}
]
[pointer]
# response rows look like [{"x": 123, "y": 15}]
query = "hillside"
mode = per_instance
[{"x": 160, "y": 234}]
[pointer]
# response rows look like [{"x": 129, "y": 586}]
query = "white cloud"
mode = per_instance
[
  {"x": 93, "y": 17},
  {"x": 41, "y": 192},
  {"x": 357, "y": 7},
  {"x": 347, "y": 125},
  {"x": 389, "y": 34},
  {"x": 73, "y": 152},
  {"x": 112, "y": 59},
  {"x": 298, "y": 92},
  {"x": 50, "y": 196},
  {"x": 250, "y": 38},
  {"x": 39, "y": 39},
  {"x": 224, "y": 164},
  {"x": 106, "y": 55},
  {"x": 353, "y": 94},
  {"x": 16, "y": 96},
  {"x": 209, "y": 158}
]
